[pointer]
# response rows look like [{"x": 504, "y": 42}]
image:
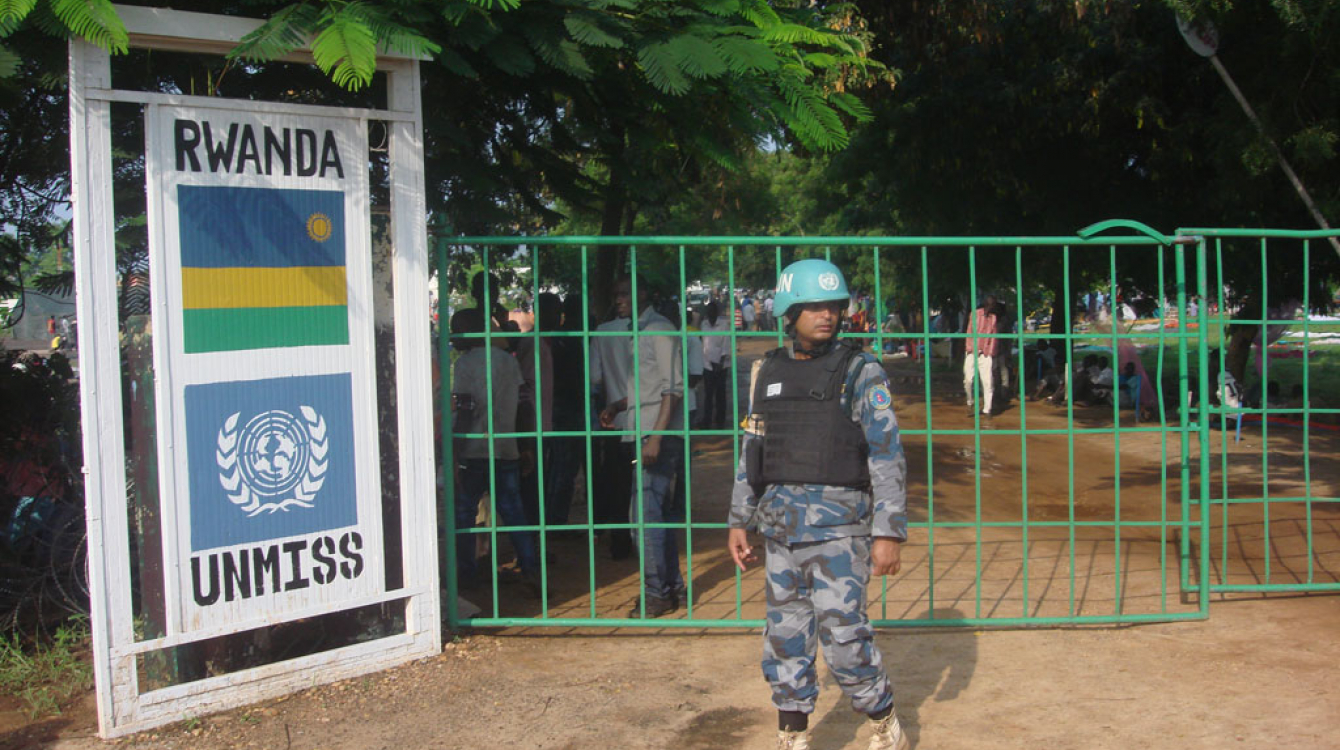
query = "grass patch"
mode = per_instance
[
  {"x": 45, "y": 674},
  {"x": 1322, "y": 371}
]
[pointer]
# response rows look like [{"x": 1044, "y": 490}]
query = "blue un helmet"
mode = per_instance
[{"x": 810, "y": 280}]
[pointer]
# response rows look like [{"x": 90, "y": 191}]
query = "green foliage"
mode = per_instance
[
  {"x": 589, "y": 29},
  {"x": 345, "y": 49},
  {"x": 285, "y": 31},
  {"x": 95, "y": 21},
  {"x": 564, "y": 55},
  {"x": 744, "y": 56},
  {"x": 13, "y": 11},
  {"x": 344, "y": 36},
  {"x": 46, "y": 674},
  {"x": 660, "y": 63},
  {"x": 9, "y": 62},
  {"x": 1314, "y": 144}
]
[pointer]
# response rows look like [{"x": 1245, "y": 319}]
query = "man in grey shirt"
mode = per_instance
[
  {"x": 611, "y": 363},
  {"x": 486, "y": 379},
  {"x": 656, "y": 396}
]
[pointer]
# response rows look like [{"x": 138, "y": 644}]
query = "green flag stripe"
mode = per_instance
[{"x": 232, "y": 329}]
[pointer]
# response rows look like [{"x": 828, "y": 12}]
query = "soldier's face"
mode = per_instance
[{"x": 818, "y": 322}]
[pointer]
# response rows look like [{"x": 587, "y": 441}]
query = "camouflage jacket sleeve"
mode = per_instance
[
  {"x": 872, "y": 407},
  {"x": 743, "y": 504}
]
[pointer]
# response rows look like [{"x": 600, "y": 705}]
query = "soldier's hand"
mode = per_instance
[
  {"x": 740, "y": 551},
  {"x": 886, "y": 556}
]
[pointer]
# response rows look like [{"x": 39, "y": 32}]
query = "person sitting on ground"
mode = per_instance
[
  {"x": 1253, "y": 398},
  {"x": 1101, "y": 380},
  {"x": 1050, "y": 375},
  {"x": 1127, "y": 385},
  {"x": 1083, "y": 376}
]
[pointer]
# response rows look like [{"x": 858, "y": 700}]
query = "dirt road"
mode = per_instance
[{"x": 1259, "y": 673}]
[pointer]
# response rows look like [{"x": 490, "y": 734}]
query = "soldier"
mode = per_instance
[{"x": 822, "y": 478}]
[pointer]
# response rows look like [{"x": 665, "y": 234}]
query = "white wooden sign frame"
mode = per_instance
[{"x": 122, "y": 707}]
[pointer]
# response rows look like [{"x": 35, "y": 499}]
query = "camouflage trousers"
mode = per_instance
[{"x": 817, "y": 594}]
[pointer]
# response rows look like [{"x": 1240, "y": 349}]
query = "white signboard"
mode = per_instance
[
  {"x": 265, "y": 499},
  {"x": 265, "y": 359}
]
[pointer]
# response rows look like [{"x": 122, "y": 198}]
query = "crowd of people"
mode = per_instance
[
  {"x": 634, "y": 386},
  {"x": 642, "y": 372},
  {"x": 61, "y": 330}
]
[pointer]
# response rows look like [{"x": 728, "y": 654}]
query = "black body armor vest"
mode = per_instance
[{"x": 808, "y": 437}]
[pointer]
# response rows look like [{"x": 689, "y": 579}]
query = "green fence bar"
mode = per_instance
[
  {"x": 1263, "y": 531},
  {"x": 1041, "y": 514}
]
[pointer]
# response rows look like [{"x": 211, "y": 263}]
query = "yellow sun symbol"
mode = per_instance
[{"x": 319, "y": 227}]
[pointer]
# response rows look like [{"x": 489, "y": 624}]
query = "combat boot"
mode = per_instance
[
  {"x": 887, "y": 733},
  {"x": 793, "y": 740}
]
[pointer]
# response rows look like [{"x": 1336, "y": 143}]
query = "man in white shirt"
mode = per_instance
[
  {"x": 652, "y": 405},
  {"x": 611, "y": 365},
  {"x": 716, "y": 373}
]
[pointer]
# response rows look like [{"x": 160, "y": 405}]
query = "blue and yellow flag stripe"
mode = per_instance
[{"x": 262, "y": 268}]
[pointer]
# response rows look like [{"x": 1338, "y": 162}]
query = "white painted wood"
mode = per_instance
[
  {"x": 314, "y": 667},
  {"x": 171, "y": 641},
  {"x": 100, "y": 383},
  {"x": 418, "y": 483},
  {"x": 262, "y": 683},
  {"x": 164, "y": 325},
  {"x": 185, "y": 31},
  {"x": 218, "y": 102}
]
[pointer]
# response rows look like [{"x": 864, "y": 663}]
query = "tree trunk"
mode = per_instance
[
  {"x": 1059, "y": 307},
  {"x": 610, "y": 259},
  {"x": 1239, "y": 351}
]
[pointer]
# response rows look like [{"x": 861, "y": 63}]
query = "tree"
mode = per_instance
[
  {"x": 1043, "y": 117},
  {"x": 34, "y": 163},
  {"x": 585, "y": 103},
  {"x": 650, "y": 100}
]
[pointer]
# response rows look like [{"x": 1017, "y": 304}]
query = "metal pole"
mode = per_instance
[{"x": 1279, "y": 155}]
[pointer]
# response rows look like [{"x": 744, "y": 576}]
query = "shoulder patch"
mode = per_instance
[{"x": 880, "y": 398}]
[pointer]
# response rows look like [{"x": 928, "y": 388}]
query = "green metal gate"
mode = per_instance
[
  {"x": 1272, "y": 516},
  {"x": 1044, "y": 514}
]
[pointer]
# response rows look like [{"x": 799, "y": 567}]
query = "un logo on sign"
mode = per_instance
[
  {"x": 828, "y": 281},
  {"x": 273, "y": 462}
]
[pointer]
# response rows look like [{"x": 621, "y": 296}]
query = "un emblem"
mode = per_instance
[
  {"x": 273, "y": 462},
  {"x": 828, "y": 281}
]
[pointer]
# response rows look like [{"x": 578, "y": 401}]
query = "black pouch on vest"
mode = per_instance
[{"x": 753, "y": 467}]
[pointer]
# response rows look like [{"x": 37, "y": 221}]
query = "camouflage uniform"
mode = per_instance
[{"x": 818, "y": 556}]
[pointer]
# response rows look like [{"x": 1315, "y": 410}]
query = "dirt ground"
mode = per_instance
[{"x": 1260, "y": 671}]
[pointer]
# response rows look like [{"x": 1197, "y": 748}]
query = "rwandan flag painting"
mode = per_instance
[{"x": 262, "y": 268}]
